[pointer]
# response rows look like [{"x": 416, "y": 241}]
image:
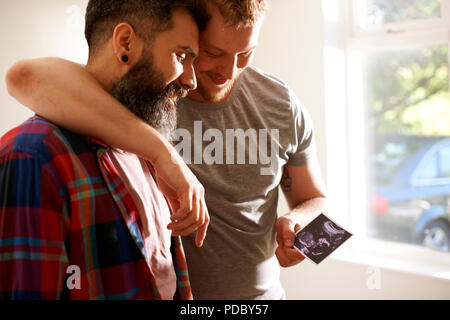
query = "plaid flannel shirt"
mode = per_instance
[{"x": 62, "y": 204}]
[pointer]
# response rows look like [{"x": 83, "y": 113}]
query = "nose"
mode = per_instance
[
  {"x": 229, "y": 68},
  {"x": 187, "y": 78}
]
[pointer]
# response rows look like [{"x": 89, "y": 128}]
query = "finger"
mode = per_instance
[
  {"x": 289, "y": 234},
  {"x": 281, "y": 256},
  {"x": 201, "y": 234},
  {"x": 201, "y": 231},
  {"x": 280, "y": 227},
  {"x": 187, "y": 220},
  {"x": 185, "y": 206},
  {"x": 288, "y": 257},
  {"x": 279, "y": 238},
  {"x": 186, "y": 231},
  {"x": 286, "y": 231},
  {"x": 293, "y": 255},
  {"x": 181, "y": 225},
  {"x": 188, "y": 224}
]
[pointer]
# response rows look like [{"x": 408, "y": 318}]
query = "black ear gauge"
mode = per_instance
[{"x": 125, "y": 58}]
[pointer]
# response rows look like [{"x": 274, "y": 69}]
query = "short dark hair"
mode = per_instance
[
  {"x": 147, "y": 17},
  {"x": 241, "y": 13}
]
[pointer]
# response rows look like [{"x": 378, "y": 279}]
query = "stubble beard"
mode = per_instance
[{"x": 213, "y": 96}]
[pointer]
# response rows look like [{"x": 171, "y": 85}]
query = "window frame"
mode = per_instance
[
  {"x": 345, "y": 180},
  {"x": 397, "y": 27}
]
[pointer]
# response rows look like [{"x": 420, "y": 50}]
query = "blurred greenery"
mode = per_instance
[
  {"x": 409, "y": 91},
  {"x": 387, "y": 11}
]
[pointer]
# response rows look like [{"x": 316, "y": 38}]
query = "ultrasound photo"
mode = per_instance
[{"x": 320, "y": 238}]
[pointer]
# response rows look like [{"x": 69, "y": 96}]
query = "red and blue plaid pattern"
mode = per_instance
[{"x": 62, "y": 203}]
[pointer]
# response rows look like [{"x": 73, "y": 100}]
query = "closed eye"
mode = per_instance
[
  {"x": 181, "y": 57},
  {"x": 246, "y": 54},
  {"x": 212, "y": 54}
]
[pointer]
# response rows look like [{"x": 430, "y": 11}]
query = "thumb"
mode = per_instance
[
  {"x": 289, "y": 232},
  {"x": 184, "y": 207}
]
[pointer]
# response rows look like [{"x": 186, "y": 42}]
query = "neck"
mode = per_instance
[
  {"x": 101, "y": 75},
  {"x": 105, "y": 71}
]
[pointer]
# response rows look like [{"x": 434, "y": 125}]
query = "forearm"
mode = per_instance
[
  {"x": 308, "y": 210},
  {"x": 305, "y": 192},
  {"x": 66, "y": 94}
]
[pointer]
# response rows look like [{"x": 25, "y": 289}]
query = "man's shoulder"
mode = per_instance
[
  {"x": 253, "y": 72},
  {"x": 263, "y": 83},
  {"x": 39, "y": 137}
]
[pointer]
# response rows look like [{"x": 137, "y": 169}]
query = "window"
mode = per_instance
[
  {"x": 399, "y": 119},
  {"x": 375, "y": 13}
]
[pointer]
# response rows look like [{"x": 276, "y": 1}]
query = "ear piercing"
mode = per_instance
[{"x": 125, "y": 58}]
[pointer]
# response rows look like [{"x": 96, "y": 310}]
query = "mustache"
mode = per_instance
[{"x": 174, "y": 90}]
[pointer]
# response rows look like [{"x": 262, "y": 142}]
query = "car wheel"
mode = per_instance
[{"x": 436, "y": 236}]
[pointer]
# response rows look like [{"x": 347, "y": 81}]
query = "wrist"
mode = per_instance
[
  {"x": 293, "y": 219},
  {"x": 154, "y": 146}
]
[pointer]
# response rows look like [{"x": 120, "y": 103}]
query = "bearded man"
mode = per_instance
[{"x": 82, "y": 220}]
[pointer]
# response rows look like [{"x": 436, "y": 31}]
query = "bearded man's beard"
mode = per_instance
[{"x": 142, "y": 91}]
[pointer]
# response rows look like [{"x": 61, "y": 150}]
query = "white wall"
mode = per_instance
[
  {"x": 31, "y": 29},
  {"x": 291, "y": 47},
  {"x": 334, "y": 279}
]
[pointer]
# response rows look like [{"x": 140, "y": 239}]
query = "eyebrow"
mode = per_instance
[
  {"x": 189, "y": 50},
  {"x": 223, "y": 51}
]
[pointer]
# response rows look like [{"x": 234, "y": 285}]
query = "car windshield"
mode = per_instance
[{"x": 391, "y": 154}]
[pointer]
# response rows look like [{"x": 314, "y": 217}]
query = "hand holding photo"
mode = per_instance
[{"x": 320, "y": 238}]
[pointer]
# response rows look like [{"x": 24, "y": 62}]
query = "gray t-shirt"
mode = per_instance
[{"x": 237, "y": 150}]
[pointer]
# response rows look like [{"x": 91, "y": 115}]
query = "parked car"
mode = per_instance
[{"x": 411, "y": 195}]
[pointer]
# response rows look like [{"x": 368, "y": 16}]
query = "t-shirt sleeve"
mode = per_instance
[{"x": 303, "y": 147}]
